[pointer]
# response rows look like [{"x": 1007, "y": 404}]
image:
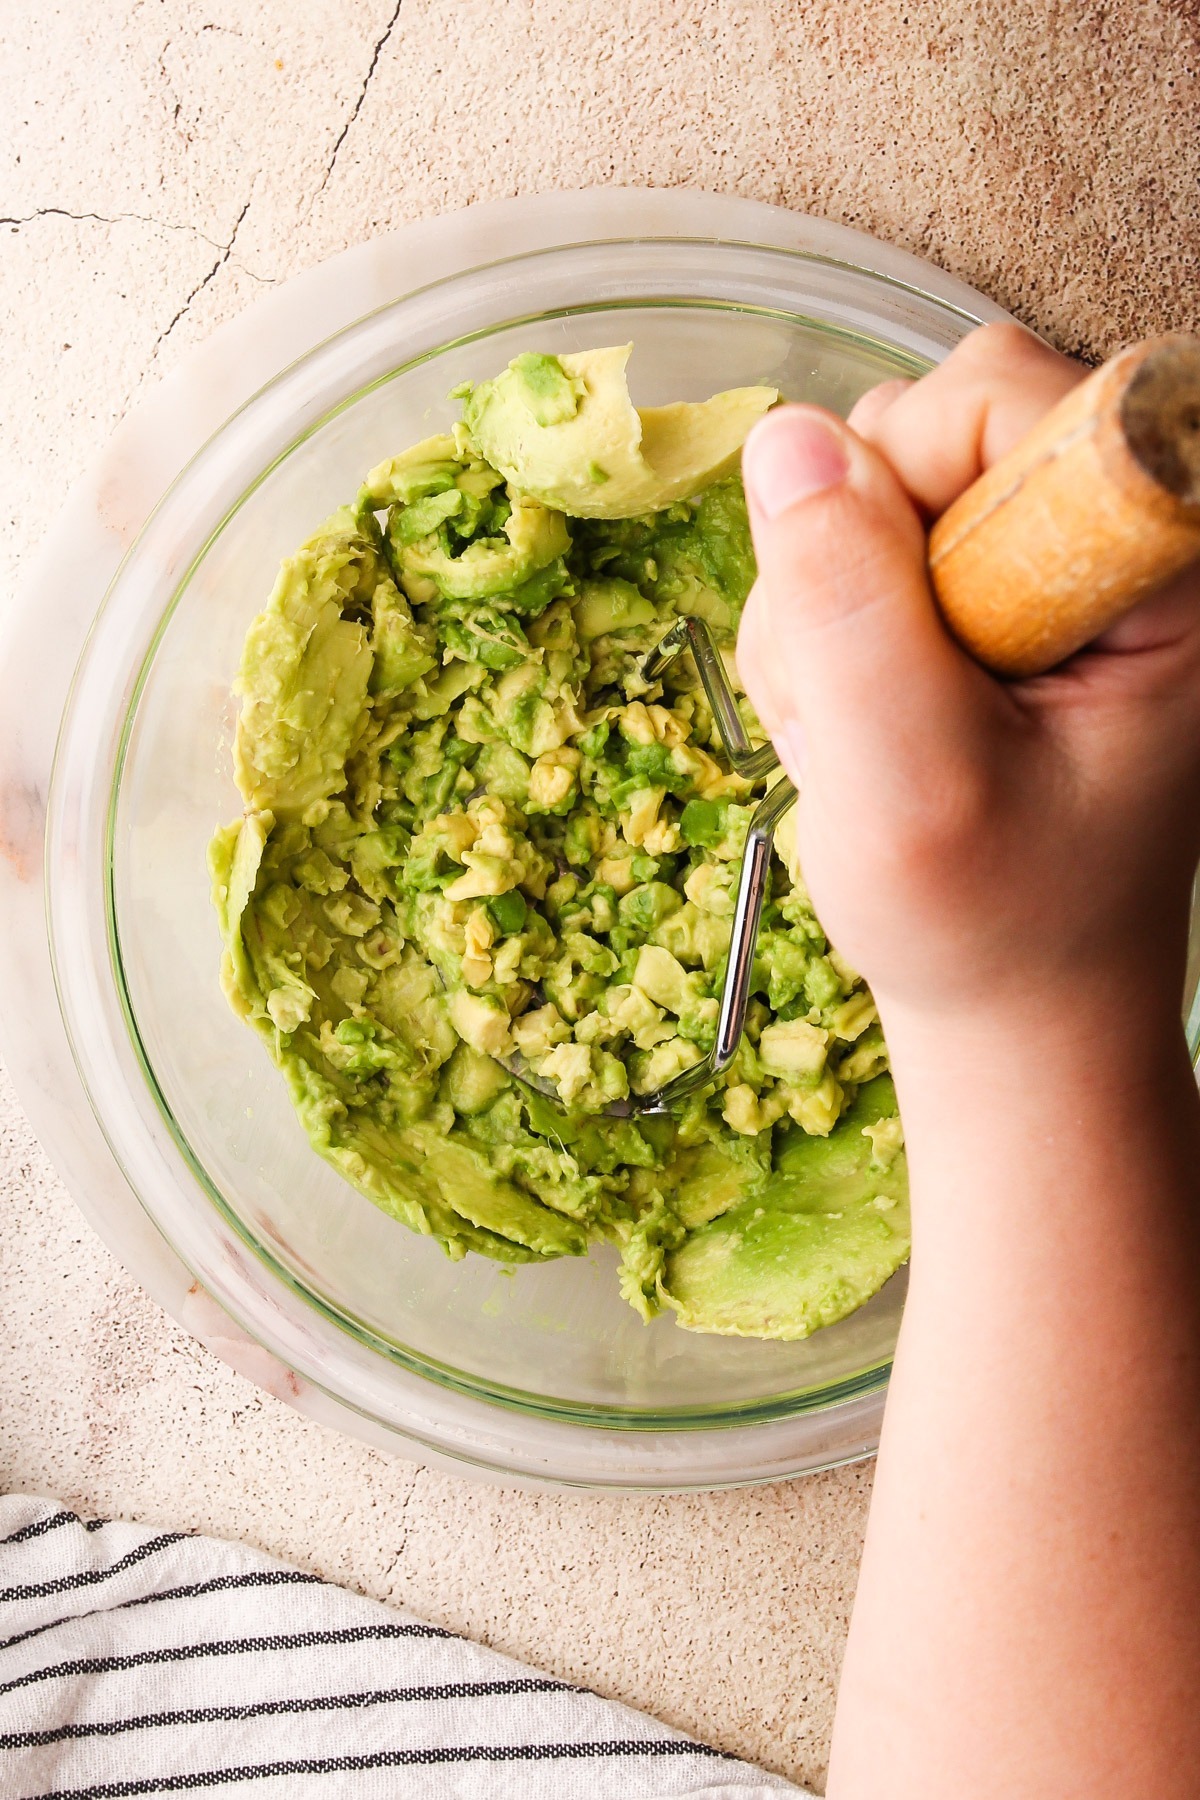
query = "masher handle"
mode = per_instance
[{"x": 1096, "y": 507}]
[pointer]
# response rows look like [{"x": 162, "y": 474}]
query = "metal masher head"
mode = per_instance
[{"x": 693, "y": 634}]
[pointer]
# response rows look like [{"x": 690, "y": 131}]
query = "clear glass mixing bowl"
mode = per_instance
[{"x": 542, "y": 1371}]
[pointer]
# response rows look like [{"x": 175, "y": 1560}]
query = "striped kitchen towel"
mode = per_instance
[{"x": 135, "y": 1661}]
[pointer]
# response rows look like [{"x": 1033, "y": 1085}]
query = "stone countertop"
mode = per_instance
[{"x": 161, "y": 162}]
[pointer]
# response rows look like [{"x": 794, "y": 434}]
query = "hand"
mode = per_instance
[{"x": 969, "y": 843}]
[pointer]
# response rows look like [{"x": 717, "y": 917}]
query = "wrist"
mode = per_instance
[
  {"x": 1083, "y": 1042},
  {"x": 1026, "y": 1127},
  {"x": 1101, "y": 1012}
]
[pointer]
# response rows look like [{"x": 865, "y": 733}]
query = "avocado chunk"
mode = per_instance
[
  {"x": 430, "y": 467},
  {"x": 535, "y": 537},
  {"x": 589, "y": 452}
]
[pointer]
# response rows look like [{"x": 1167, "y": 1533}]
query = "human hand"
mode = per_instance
[{"x": 970, "y": 844}]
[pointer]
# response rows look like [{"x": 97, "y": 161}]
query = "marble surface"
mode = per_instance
[{"x": 161, "y": 165}]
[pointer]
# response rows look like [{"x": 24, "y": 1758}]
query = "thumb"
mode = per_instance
[{"x": 841, "y": 642}]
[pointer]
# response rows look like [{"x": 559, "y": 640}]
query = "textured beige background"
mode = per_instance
[{"x": 161, "y": 160}]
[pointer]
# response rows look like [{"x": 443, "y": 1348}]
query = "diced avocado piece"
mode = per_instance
[
  {"x": 436, "y": 694},
  {"x": 404, "y": 650},
  {"x": 534, "y": 537},
  {"x": 849, "y": 1020},
  {"x": 508, "y": 911},
  {"x": 503, "y": 771},
  {"x": 702, "y": 822},
  {"x": 486, "y": 635},
  {"x": 867, "y": 1058},
  {"x": 647, "y": 905},
  {"x": 793, "y": 1050},
  {"x": 473, "y": 1081},
  {"x": 662, "y": 979},
  {"x": 821, "y": 982},
  {"x": 410, "y": 1000},
  {"x": 605, "y": 606},
  {"x": 694, "y": 936},
  {"x": 352, "y": 914},
  {"x": 654, "y": 765},
  {"x": 482, "y": 1022},
  {"x": 429, "y": 467},
  {"x": 423, "y": 516},
  {"x": 371, "y": 857},
  {"x": 530, "y": 597},
  {"x": 605, "y": 460},
  {"x": 654, "y": 1068}
]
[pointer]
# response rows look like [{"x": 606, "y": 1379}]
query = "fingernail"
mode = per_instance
[
  {"x": 792, "y": 748},
  {"x": 793, "y": 453}
]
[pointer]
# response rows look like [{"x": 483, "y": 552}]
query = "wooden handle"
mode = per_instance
[{"x": 1091, "y": 511}]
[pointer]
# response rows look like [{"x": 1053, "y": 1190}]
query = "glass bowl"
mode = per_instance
[{"x": 542, "y": 1372}]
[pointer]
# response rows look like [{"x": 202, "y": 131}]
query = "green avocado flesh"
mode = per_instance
[{"x": 471, "y": 829}]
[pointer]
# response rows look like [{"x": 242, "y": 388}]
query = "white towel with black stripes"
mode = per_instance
[{"x": 135, "y": 1661}]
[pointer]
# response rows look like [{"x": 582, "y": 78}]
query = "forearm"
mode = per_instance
[{"x": 1028, "y": 1618}]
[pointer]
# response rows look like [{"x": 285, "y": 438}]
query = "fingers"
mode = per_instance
[
  {"x": 943, "y": 431},
  {"x": 1170, "y": 618},
  {"x": 840, "y": 638},
  {"x": 866, "y": 413},
  {"x": 940, "y": 433}
]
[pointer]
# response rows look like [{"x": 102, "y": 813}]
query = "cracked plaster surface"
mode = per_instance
[
  {"x": 376, "y": 53},
  {"x": 161, "y": 160}
]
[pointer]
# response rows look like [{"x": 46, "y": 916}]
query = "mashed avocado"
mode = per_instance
[{"x": 472, "y": 829}]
